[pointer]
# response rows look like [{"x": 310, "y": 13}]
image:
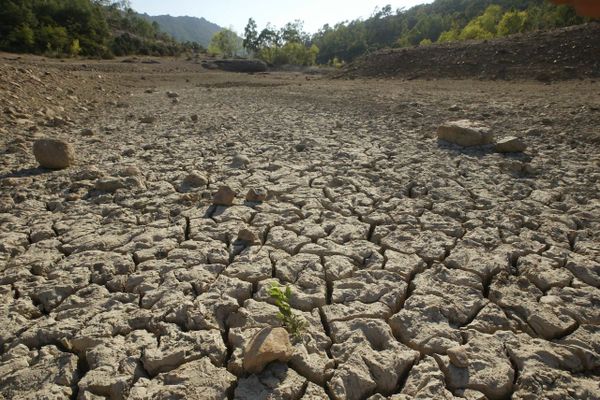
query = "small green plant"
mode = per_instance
[{"x": 292, "y": 323}]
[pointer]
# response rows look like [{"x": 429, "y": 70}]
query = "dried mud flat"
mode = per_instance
[{"x": 423, "y": 270}]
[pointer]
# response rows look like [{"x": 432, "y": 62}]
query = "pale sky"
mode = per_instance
[{"x": 235, "y": 13}]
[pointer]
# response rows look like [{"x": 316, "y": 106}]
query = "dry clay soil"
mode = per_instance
[{"x": 422, "y": 270}]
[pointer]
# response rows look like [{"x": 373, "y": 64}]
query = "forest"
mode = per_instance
[
  {"x": 107, "y": 28},
  {"x": 92, "y": 28},
  {"x": 440, "y": 21}
]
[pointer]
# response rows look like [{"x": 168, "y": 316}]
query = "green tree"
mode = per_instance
[
  {"x": 250, "y": 42},
  {"x": 53, "y": 39},
  {"x": 484, "y": 26},
  {"x": 225, "y": 43},
  {"x": 22, "y": 37},
  {"x": 293, "y": 32}
]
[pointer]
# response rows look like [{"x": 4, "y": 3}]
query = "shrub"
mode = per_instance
[{"x": 291, "y": 322}]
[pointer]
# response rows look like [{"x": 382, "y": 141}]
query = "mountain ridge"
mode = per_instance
[{"x": 186, "y": 28}]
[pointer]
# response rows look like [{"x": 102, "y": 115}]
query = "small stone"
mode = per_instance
[
  {"x": 109, "y": 184},
  {"x": 300, "y": 147},
  {"x": 247, "y": 236},
  {"x": 194, "y": 118},
  {"x": 130, "y": 170},
  {"x": 6, "y": 203},
  {"x": 195, "y": 179},
  {"x": 465, "y": 133},
  {"x": 338, "y": 125},
  {"x": 148, "y": 120},
  {"x": 175, "y": 101},
  {"x": 510, "y": 144},
  {"x": 268, "y": 345},
  {"x": 256, "y": 195},
  {"x": 458, "y": 356},
  {"x": 224, "y": 196},
  {"x": 454, "y": 107},
  {"x": 240, "y": 161},
  {"x": 54, "y": 153},
  {"x": 172, "y": 95},
  {"x": 87, "y": 132},
  {"x": 72, "y": 197}
]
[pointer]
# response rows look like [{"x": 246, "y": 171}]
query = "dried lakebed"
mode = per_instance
[{"x": 422, "y": 270}]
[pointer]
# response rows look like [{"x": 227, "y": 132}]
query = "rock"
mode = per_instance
[
  {"x": 247, "y": 236},
  {"x": 268, "y": 345},
  {"x": 6, "y": 203},
  {"x": 256, "y": 195},
  {"x": 551, "y": 326},
  {"x": 148, "y": 120},
  {"x": 465, "y": 133},
  {"x": 172, "y": 95},
  {"x": 240, "y": 161},
  {"x": 87, "y": 132},
  {"x": 224, "y": 196},
  {"x": 54, "y": 153},
  {"x": 458, "y": 356},
  {"x": 236, "y": 65},
  {"x": 510, "y": 144},
  {"x": 109, "y": 184},
  {"x": 195, "y": 179},
  {"x": 194, "y": 117}
]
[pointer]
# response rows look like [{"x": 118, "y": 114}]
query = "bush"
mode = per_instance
[
  {"x": 53, "y": 39},
  {"x": 512, "y": 22},
  {"x": 75, "y": 49}
]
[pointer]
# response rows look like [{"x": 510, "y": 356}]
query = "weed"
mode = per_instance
[{"x": 292, "y": 323}]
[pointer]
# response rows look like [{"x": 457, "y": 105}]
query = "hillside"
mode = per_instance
[
  {"x": 186, "y": 29},
  {"x": 566, "y": 53},
  {"x": 91, "y": 28},
  {"x": 440, "y": 21}
]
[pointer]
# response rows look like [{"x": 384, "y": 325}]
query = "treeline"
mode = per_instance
[
  {"x": 440, "y": 21},
  {"x": 287, "y": 45},
  {"x": 93, "y": 28}
]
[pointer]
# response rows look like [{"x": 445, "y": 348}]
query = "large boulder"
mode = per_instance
[
  {"x": 53, "y": 153},
  {"x": 268, "y": 345},
  {"x": 465, "y": 133},
  {"x": 234, "y": 65}
]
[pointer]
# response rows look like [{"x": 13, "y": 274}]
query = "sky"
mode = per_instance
[{"x": 235, "y": 13}]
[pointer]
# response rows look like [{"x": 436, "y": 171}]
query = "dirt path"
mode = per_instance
[{"x": 422, "y": 270}]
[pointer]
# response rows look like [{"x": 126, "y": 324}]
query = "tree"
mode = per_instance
[
  {"x": 224, "y": 42},
  {"x": 293, "y": 32},
  {"x": 269, "y": 37},
  {"x": 22, "y": 37},
  {"x": 53, "y": 39},
  {"x": 250, "y": 42}
]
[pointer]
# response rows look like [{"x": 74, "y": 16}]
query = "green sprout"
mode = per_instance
[{"x": 292, "y": 323}]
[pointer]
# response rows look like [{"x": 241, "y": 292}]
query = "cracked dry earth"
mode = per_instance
[{"x": 423, "y": 270}]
